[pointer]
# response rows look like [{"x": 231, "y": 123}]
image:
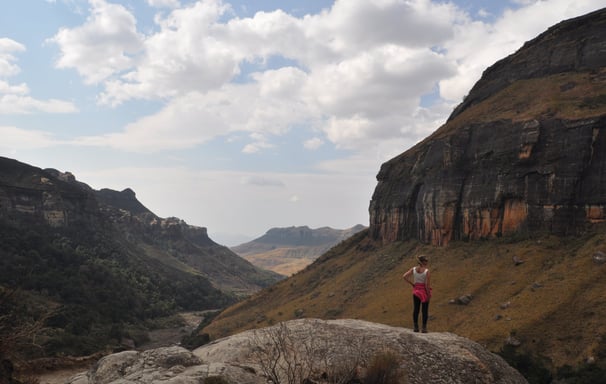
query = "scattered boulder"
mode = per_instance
[
  {"x": 462, "y": 300},
  {"x": 513, "y": 341},
  {"x": 599, "y": 257},
  {"x": 318, "y": 344},
  {"x": 517, "y": 261},
  {"x": 536, "y": 285}
]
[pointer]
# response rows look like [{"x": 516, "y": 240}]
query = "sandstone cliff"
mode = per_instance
[
  {"x": 312, "y": 349},
  {"x": 525, "y": 152}
]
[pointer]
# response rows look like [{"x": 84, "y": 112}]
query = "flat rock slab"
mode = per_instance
[{"x": 310, "y": 349}]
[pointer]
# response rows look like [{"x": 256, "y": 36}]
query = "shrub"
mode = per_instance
[
  {"x": 195, "y": 340},
  {"x": 384, "y": 368},
  {"x": 531, "y": 367}
]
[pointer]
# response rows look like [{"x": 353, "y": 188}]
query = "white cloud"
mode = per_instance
[
  {"x": 15, "y": 138},
  {"x": 183, "y": 57},
  {"x": 313, "y": 143},
  {"x": 259, "y": 142},
  {"x": 355, "y": 73},
  {"x": 17, "y": 104},
  {"x": 15, "y": 99},
  {"x": 104, "y": 45},
  {"x": 7, "y": 58},
  {"x": 163, "y": 3}
]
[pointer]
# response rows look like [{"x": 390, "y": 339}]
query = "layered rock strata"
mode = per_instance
[{"x": 525, "y": 152}]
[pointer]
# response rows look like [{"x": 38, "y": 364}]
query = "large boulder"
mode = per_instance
[{"x": 312, "y": 350}]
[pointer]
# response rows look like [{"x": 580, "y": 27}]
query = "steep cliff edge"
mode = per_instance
[{"x": 525, "y": 152}]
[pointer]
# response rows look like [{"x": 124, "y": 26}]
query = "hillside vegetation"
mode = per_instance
[
  {"x": 85, "y": 271},
  {"x": 552, "y": 302},
  {"x": 97, "y": 290}
]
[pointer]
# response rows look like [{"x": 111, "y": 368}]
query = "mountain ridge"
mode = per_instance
[
  {"x": 290, "y": 249},
  {"x": 74, "y": 248}
]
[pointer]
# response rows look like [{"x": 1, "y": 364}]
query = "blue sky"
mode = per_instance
[{"x": 240, "y": 116}]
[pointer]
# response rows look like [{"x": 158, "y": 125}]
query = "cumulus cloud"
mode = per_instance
[
  {"x": 163, "y": 3},
  {"x": 104, "y": 45},
  {"x": 354, "y": 74}
]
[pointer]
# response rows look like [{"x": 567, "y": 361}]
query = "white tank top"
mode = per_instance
[{"x": 419, "y": 277}]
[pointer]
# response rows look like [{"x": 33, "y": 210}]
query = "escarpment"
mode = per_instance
[{"x": 525, "y": 152}]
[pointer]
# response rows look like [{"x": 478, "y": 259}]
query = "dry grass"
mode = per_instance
[
  {"x": 280, "y": 260},
  {"x": 555, "y": 297},
  {"x": 571, "y": 96}
]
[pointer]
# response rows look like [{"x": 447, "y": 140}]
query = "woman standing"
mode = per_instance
[{"x": 421, "y": 291}]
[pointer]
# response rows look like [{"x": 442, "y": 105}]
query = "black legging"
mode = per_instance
[{"x": 424, "y": 310}]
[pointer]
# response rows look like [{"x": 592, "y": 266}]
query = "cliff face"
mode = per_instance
[
  {"x": 525, "y": 152},
  {"x": 49, "y": 196}
]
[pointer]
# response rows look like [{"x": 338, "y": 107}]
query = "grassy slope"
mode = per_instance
[
  {"x": 285, "y": 260},
  {"x": 560, "y": 320},
  {"x": 573, "y": 95}
]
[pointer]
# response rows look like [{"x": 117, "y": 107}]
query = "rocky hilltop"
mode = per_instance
[
  {"x": 525, "y": 152},
  {"x": 311, "y": 349},
  {"x": 288, "y": 250}
]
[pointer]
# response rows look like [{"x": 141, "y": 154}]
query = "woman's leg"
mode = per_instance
[
  {"x": 415, "y": 312},
  {"x": 425, "y": 314}
]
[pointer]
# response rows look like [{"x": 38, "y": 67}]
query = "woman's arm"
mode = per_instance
[
  {"x": 428, "y": 284},
  {"x": 406, "y": 276}
]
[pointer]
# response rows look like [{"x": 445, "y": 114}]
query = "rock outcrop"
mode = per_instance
[
  {"x": 525, "y": 152},
  {"x": 318, "y": 349},
  {"x": 34, "y": 195}
]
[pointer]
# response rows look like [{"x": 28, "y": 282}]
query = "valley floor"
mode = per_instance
[{"x": 158, "y": 338}]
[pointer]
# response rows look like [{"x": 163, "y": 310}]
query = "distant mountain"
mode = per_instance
[
  {"x": 103, "y": 262},
  {"x": 288, "y": 250}
]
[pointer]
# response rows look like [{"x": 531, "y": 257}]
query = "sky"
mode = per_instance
[{"x": 241, "y": 116}]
